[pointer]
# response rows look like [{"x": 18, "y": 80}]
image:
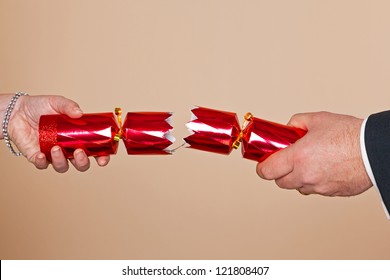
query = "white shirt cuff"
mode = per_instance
[{"x": 367, "y": 163}]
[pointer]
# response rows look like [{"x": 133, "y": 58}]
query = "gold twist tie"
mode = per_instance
[
  {"x": 118, "y": 113},
  {"x": 247, "y": 118}
]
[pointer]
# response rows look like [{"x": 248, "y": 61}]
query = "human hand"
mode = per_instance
[
  {"x": 23, "y": 130},
  {"x": 326, "y": 161}
]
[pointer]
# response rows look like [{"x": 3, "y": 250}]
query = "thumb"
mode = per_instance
[
  {"x": 277, "y": 165},
  {"x": 65, "y": 106},
  {"x": 300, "y": 120}
]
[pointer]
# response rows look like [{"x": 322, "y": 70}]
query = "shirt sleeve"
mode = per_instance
[{"x": 375, "y": 150}]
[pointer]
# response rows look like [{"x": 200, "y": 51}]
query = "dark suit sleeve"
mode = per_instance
[{"x": 377, "y": 141}]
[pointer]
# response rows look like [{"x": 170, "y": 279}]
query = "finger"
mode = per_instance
[
  {"x": 306, "y": 190},
  {"x": 40, "y": 161},
  {"x": 277, "y": 165},
  {"x": 290, "y": 181},
  {"x": 65, "y": 106},
  {"x": 103, "y": 160},
  {"x": 59, "y": 162},
  {"x": 80, "y": 160}
]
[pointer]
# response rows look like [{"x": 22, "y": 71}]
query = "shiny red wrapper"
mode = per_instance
[
  {"x": 213, "y": 130},
  {"x": 262, "y": 138},
  {"x": 219, "y": 132},
  {"x": 94, "y": 133},
  {"x": 147, "y": 133}
]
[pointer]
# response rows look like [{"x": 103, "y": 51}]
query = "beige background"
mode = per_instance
[{"x": 273, "y": 58}]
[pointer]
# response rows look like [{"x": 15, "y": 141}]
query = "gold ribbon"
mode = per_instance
[
  {"x": 247, "y": 118},
  {"x": 118, "y": 113}
]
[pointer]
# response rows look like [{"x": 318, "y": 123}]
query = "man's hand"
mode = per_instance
[{"x": 326, "y": 161}]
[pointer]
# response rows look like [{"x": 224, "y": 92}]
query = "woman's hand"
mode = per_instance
[{"x": 23, "y": 131}]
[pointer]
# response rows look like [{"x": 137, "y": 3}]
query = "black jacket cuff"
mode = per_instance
[{"x": 377, "y": 141}]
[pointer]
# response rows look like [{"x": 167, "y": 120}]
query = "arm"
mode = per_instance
[{"x": 23, "y": 130}]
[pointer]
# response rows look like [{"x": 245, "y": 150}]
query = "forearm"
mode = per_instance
[{"x": 4, "y": 101}]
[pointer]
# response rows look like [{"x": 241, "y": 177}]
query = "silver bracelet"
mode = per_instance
[{"x": 7, "y": 116}]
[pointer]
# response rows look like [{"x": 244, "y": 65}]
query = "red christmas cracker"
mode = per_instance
[{"x": 219, "y": 132}]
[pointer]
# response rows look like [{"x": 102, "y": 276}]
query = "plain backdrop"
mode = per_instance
[{"x": 272, "y": 58}]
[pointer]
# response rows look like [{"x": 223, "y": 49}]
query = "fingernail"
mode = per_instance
[
  {"x": 41, "y": 156},
  {"x": 56, "y": 150},
  {"x": 78, "y": 110},
  {"x": 79, "y": 154}
]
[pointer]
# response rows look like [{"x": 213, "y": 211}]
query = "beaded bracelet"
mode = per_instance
[{"x": 7, "y": 116}]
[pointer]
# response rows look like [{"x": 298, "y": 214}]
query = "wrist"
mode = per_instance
[
  {"x": 361, "y": 177},
  {"x": 17, "y": 116},
  {"x": 4, "y": 101},
  {"x": 364, "y": 155},
  {"x": 8, "y": 113}
]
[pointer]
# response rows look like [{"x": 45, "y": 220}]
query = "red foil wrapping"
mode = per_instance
[
  {"x": 147, "y": 133},
  {"x": 219, "y": 132},
  {"x": 213, "y": 130},
  {"x": 262, "y": 138},
  {"x": 94, "y": 133}
]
